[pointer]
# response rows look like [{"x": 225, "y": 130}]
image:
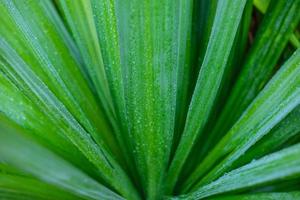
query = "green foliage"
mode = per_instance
[{"x": 131, "y": 99}]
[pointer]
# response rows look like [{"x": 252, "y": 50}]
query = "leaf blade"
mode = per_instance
[
  {"x": 199, "y": 108},
  {"x": 278, "y": 166},
  {"x": 30, "y": 157},
  {"x": 278, "y": 98}
]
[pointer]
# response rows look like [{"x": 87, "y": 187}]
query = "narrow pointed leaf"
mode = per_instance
[
  {"x": 80, "y": 19},
  {"x": 233, "y": 67},
  {"x": 286, "y": 130},
  {"x": 208, "y": 82},
  {"x": 266, "y": 196},
  {"x": 262, "y": 6},
  {"x": 50, "y": 77},
  {"x": 26, "y": 155},
  {"x": 236, "y": 58},
  {"x": 153, "y": 41},
  {"x": 99, "y": 44},
  {"x": 279, "y": 97},
  {"x": 277, "y": 26},
  {"x": 279, "y": 166},
  {"x": 23, "y": 188},
  {"x": 18, "y": 108}
]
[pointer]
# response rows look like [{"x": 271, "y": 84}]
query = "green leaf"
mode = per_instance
[
  {"x": 202, "y": 20},
  {"x": 295, "y": 41},
  {"x": 271, "y": 38},
  {"x": 41, "y": 46},
  {"x": 266, "y": 196},
  {"x": 99, "y": 46},
  {"x": 287, "y": 130},
  {"x": 208, "y": 83},
  {"x": 231, "y": 70},
  {"x": 152, "y": 74},
  {"x": 23, "y": 188},
  {"x": 262, "y": 6},
  {"x": 279, "y": 186},
  {"x": 80, "y": 19},
  {"x": 279, "y": 97},
  {"x": 184, "y": 64},
  {"x": 130, "y": 99},
  {"x": 279, "y": 166},
  {"x": 32, "y": 158},
  {"x": 18, "y": 108},
  {"x": 162, "y": 55},
  {"x": 203, "y": 17},
  {"x": 43, "y": 68},
  {"x": 234, "y": 63}
]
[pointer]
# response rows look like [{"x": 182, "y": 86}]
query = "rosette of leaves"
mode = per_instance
[{"x": 149, "y": 99}]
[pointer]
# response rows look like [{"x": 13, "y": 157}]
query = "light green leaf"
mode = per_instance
[
  {"x": 43, "y": 68},
  {"x": 43, "y": 45},
  {"x": 80, "y": 19},
  {"x": 18, "y": 107},
  {"x": 99, "y": 46},
  {"x": 24, "y": 154},
  {"x": 262, "y": 5},
  {"x": 130, "y": 99},
  {"x": 23, "y": 188}
]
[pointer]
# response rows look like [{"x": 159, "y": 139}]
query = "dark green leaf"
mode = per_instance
[
  {"x": 210, "y": 76},
  {"x": 279, "y": 97},
  {"x": 275, "y": 167}
]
